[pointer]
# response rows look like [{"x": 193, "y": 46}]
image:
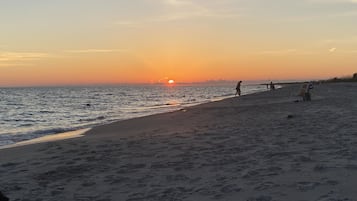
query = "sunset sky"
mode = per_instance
[{"x": 60, "y": 42}]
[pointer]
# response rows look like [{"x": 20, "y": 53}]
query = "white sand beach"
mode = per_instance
[{"x": 259, "y": 147}]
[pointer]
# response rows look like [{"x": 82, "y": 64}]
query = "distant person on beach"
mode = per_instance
[
  {"x": 238, "y": 88},
  {"x": 272, "y": 86},
  {"x": 305, "y": 91},
  {"x": 307, "y": 94}
]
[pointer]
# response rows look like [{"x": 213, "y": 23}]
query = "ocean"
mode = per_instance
[{"x": 33, "y": 112}]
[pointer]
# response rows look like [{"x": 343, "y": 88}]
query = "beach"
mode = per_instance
[{"x": 259, "y": 147}]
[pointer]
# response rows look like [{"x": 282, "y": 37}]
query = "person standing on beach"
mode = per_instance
[
  {"x": 272, "y": 86},
  {"x": 307, "y": 94},
  {"x": 305, "y": 91},
  {"x": 238, "y": 88}
]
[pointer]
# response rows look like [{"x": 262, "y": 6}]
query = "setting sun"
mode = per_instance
[{"x": 171, "y": 81}]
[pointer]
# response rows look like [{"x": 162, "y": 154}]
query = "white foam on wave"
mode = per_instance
[{"x": 49, "y": 138}]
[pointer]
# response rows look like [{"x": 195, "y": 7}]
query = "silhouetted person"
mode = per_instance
[
  {"x": 272, "y": 86},
  {"x": 238, "y": 88},
  {"x": 302, "y": 92},
  {"x": 305, "y": 91},
  {"x": 307, "y": 94},
  {"x": 3, "y": 197}
]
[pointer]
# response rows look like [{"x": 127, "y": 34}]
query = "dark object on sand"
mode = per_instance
[
  {"x": 290, "y": 116},
  {"x": 3, "y": 197}
]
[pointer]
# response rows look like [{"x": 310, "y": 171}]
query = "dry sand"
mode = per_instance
[{"x": 258, "y": 147}]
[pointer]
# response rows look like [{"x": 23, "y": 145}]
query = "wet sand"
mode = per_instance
[{"x": 258, "y": 147}]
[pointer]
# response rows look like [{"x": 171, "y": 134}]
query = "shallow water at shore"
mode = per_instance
[{"x": 28, "y": 113}]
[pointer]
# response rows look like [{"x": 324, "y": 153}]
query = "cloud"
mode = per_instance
[
  {"x": 348, "y": 51},
  {"x": 287, "y": 51},
  {"x": 194, "y": 14},
  {"x": 177, "y": 2},
  {"x": 189, "y": 9},
  {"x": 345, "y": 40},
  {"x": 22, "y": 56},
  {"x": 129, "y": 24},
  {"x": 333, "y": 1},
  {"x": 14, "y": 64},
  {"x": 332, "y": 49},
  {"x": 176, "y": 10},
  {"x": 332, "y": 14},
  {"x": 10, "y": 59},
  {"x": 81, "y": 51}
]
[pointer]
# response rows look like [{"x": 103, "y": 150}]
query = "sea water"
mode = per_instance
[{"x": 33, "y": 112}]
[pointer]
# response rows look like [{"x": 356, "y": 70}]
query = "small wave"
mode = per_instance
[
  {"x": 14, "y": 104},
  {"x": 25, "y": 119},
  {"x": 50, "y": 131},
  {"x": 46, "y": 112},
  {"x": 6, "y": 142},
  {"x": 26, "y": 125},
  {"x": 11, "y": 138},
  {"x": 92, "y": 119},
  {"x": 224, "y": 95},
  {"x": 164, "y": 105}
]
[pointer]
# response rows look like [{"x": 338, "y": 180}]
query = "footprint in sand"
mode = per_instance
[
  {"x": 261, "y": 198},
  {"x": 306, "y": 186}
]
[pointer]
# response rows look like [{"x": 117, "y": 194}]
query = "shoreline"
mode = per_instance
[
  {"x": 263, "y": 146},
  {"x": 79, "y": 132},
  {"x": 49, "y": 138}
]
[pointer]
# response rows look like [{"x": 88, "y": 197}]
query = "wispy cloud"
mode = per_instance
[
  {"x": 286, "y": 52},
  {"x": 22, "y": 56},
  {"x": 339, "y": 41},
  {"x": 277, "y": 52},
  {"x": 324, "y": 16},
  {"x": 332, "y": 49},
  {"x": 348, "y": 51},
  {"x": 11, "y": 59},
  {"x": 333, "y": 1},
  {"x": 127, "y": 23},
  {"x": 194, "y": 14},
  {"x": 15, "y": 64},
  {"x": 189, "y": 9},
  {"x": 177, "y": 2},
  {"x": 321, "y": 14},
  {"x": 182, "y": 10},
  {"x": 94, "y": 51}
]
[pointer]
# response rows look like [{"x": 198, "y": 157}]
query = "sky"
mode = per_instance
[{"x": 68, "y": 42}]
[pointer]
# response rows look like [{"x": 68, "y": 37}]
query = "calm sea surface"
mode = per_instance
[{"x": 28, "y": 113}]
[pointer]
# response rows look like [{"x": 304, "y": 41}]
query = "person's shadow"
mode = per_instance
[{"x": 3, "y": 197}]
